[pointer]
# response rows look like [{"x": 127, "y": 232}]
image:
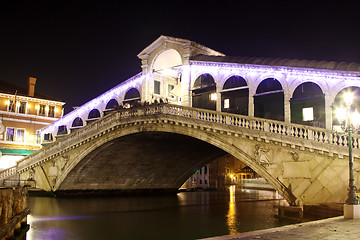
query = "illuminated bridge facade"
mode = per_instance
[{"x": 274, "y": 115}]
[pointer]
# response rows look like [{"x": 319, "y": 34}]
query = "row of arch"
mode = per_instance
[
  {"x": 268, "y": 100},
  {"x": 132, "y": 97}
]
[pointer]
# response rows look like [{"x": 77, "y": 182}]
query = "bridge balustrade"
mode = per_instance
[{"x": 104, "y": 124}]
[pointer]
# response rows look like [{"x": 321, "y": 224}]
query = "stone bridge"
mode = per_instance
[{"x": 158, "y": 147}]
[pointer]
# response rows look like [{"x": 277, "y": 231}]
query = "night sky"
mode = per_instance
[{"x": 79, "y": 50}]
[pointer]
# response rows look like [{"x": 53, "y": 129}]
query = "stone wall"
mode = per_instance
[{"x": 13, "y": 210}]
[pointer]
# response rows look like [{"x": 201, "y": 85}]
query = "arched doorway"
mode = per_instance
[
  {"x": 204, "y": 92},
  {"x": 235, "y": 96},
  {"x": 308, "y": 105},
  {"x": 269, "y": 100}
]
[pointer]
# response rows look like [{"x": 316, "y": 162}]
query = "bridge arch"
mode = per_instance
[
  {"x": 112, "y": 104},
  {"x": 241, "y": 153},
  {"x": 132, "y": 96},
  {"x": 235, "y": 95},
  {"x": 203, "y": 91},
  {"x": 94, "y": 114},
  {"x": 166, "y": 60},
  {"x": 78, "y": 122},
  {"x": 269, "y": 100},
  {"x": 308, "y": 105}
]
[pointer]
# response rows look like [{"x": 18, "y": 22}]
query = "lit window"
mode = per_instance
[
  {"x": 10, "y": 132},
  {"x": 308, "y": 114},
  {"x": 156, "y": 87},
  {"x": 11, "y": 106},
  {"x": 51, "y": 112},
  {"x": 20, "y": 135},
  {"x": 42, "y": 108},
  {"x": 213, "y": 97},
  {"x": 22, "y": 107},
  {"x": 226, "y": 103}
]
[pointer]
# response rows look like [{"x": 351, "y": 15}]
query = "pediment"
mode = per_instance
[{"x": 195, "y": 48}]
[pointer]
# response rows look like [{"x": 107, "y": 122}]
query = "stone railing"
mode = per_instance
[
  {"x": 7, "y": 173},
  {"x": 277, "y": 129}
]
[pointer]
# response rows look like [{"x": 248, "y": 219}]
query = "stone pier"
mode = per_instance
[{"x": 13, "y": 212}]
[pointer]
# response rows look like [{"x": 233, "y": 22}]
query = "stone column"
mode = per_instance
[
  {"x": 186, "y": 82},
  {"x": 287, "y": 109},
  {"x": 328, "y": 113},
  {"x": 145, "y": 83},
  {"x": 251, "y": 103},
  {"x": 218, "y": 99}
]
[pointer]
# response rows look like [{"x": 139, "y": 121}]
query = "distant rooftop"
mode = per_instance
[
  {"x": 339, "y": 66},
  {"x": 10, "y": 88}
]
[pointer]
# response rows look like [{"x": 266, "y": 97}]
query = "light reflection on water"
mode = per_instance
[
  {"x": 231, "y": 216},
  {"x": 187, "y": 215}
]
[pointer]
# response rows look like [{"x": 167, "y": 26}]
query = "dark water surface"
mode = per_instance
[{"x": 186, "y": 215}]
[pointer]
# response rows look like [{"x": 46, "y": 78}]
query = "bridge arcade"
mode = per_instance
[{"x": 183, "y": 72}]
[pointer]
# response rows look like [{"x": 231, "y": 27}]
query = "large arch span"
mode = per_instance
[
  {"x": 145, "y": 148},
  {"x": 153, "y": 156}
]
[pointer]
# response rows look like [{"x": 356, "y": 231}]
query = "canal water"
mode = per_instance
[{"x": 186, "y": 215}]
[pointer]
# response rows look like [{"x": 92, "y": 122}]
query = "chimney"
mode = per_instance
[{"x": 32, "y": 82}]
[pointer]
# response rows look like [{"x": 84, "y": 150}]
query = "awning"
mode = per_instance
[{"x": 16, "y": 152}]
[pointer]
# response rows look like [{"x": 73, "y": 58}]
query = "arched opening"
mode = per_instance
[
  {"x": 112, "y": 104},
  {"x": 78, "y": 122},
  {"x": 308, "y": 105},
  {"x": 339, "y": 103},
  {"x": 167, "y": 62},
  {"x": 167, "y": 74},
  {"x": 94, "y": 114},
  {"x": 204, "y": 92},
  {"x": 235, "y": 96},
  {"x": 132, "y": 97},
  {"x": 269, "y": 100}
]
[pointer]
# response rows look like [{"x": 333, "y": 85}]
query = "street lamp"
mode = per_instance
[{"x": 350, "y": 121}]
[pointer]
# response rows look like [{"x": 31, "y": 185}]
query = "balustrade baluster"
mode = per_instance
[
  {"x": 321, "y": 137},
  {"x": 296, "y": 132},
  {"x": 355, "y": 142},
  {"x": 271, "y": 128},
  {"x": 247, "y": 123},
  {"x": 344, "y": 140},
  {"x": 266, "y": 126},
  {"x": 326, "y": 138}
]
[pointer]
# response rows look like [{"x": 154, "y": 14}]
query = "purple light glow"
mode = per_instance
[
  {"x": 289, "y": 77},
  {"x": 117, "y": 92}
]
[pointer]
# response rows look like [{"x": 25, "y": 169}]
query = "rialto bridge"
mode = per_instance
[{"x": 277, "y": 116}]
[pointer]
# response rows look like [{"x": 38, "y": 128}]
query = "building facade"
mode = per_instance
[
  {"x": 226, "y": 170},
  {"x": 23, "y": 112}
]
